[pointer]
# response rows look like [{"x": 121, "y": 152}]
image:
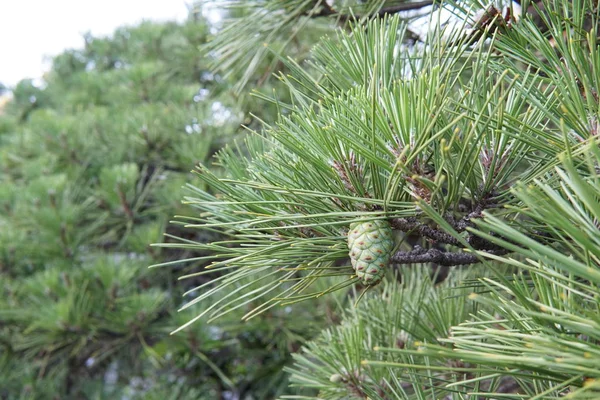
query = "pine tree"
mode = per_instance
[
  {"x": 478, "y": 147},
  {"x": 93, "y": 161}
]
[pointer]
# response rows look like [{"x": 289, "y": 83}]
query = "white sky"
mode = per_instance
[{"x": 33, "y": 29}]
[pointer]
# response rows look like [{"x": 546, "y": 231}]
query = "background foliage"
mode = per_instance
[{"x": 93, "y": 162}]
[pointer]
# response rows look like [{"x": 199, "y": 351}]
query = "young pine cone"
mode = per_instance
[{"x": 371, "y": 244}]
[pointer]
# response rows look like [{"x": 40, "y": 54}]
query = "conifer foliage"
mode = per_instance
[
  {"x": 478, "y": 148},
  {"x": 92, "y": 163}
]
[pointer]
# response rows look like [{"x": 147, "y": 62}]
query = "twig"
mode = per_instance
[
  {"x": 411, "y": 225},
  {"x": 124, "y": 204},
  {"x": 404, "y": 7},
  {"x": 326, "y": 10},
  {"x": 442, "y": 258}
]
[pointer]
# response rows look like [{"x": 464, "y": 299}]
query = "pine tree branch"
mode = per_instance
[
  {"x": 404, "y": 7},
  {"x": 327, "y": 11},
  {"x": 442, "y": 258},
  {"x": 413, "y": 226}
]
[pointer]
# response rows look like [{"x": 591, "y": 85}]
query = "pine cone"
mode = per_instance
[{"x": 371, "y": 244}]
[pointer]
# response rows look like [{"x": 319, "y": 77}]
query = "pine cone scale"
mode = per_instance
[{"x": 370, "y": 244}]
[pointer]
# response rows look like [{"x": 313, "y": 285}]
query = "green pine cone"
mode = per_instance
[{"x": 371, "y": 244}]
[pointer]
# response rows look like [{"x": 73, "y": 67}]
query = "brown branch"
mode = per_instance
[
  {"x": 441, "y": 258},
  {"x": 404, "y": 7},
  {"x": 327, "y": 11},
  {"x": 124, "y": 203},
  {"x": 411, "y": 225}
]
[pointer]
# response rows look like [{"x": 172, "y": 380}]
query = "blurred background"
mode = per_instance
[{"x": 107, "y": 107}]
